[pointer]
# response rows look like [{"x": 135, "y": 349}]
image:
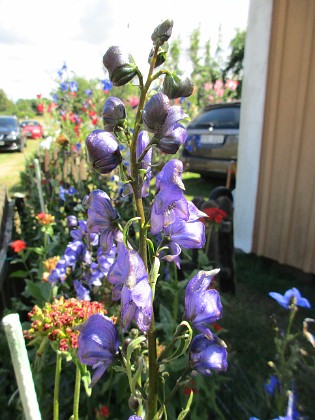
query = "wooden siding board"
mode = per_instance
[{"x": 285, "y": 227}]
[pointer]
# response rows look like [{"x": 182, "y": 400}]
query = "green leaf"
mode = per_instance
[
  {"x": 19, "y": 274},
  {"x": 136, "y": 377},
  {"x": 180, "y": 343},
  {"x": 133, "y": 345},
  {"x": 126, "y": 230},
  {"x": 185, "y": 411}
]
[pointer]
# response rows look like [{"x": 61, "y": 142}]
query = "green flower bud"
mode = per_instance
[
  {"x": 162, "y": 32},
  {"x": 121, "y": 67},
  {"x": 175, "y": 86}
]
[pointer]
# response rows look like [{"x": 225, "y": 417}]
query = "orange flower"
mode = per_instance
[
  {"x": 45, "y": 218},
  {"x": 18, "y": 245}
]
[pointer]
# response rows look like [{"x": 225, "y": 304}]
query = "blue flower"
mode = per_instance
[
  {"x": 98, "y": 344},
  {"x": 102, "y": 218},
  {"x": 72, "y": 221},
  {"x": 73, "y": 86},
  {"x": 131, "y": 285},
  {"x": 290, "y": 297},
  {"x": 114, "y": 111},
  {"x": 103, "y": 151},
  {"x": 271, "y": 386},
  {"x": 206, "y": 355},
  {"x": 59, "y": 272},
  {"x": 160, "y": 118},
  {"x": 75, "y": 250},
  {"x": 202, "y": 305},
  {"x": 183, "y": 234},
  {"x": 107, "y": 84},
  {"x": 82, "y": 292}
]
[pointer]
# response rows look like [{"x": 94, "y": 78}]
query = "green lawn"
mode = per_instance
[{"x": 12, "y": 163}]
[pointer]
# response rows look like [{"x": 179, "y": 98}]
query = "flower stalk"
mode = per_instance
[{"x": 57, "y": 384}]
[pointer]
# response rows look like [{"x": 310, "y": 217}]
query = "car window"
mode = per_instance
[
  {"x": 8, "y": 123},
  {"x": 218, "y": 118}
]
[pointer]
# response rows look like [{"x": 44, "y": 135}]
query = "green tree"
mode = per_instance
[
  {"x": 6, "y": 106},
  {"x": 234, "y": 66}
]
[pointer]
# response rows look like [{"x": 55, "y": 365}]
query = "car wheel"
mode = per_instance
[{"x": 221, "y": 192}]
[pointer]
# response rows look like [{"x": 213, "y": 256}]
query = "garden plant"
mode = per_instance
[{"x": 124, "y": 299}]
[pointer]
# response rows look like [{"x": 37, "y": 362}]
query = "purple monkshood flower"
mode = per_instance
[
  {"x": 103, "y": 151},
  {"x": 59, "y": 272},
  {"x": 81, "y": 233},
  {"x": 183, "y": 234},
  {"x": 160, "y": 118},
  {"x": 114, "y": 111},
  {"x": 291, "y": 297},
  {"x": 202, "y": 305},
  {"x": 98, "y": 344},
  {"x": 206, "y": 355},
  {"x": 170, "y": 202},
  {"x": 142, "y": 143},
  {"x": 106, "y": 261},
  {"x": 173, "y": 137},
  {"x": 82, "y": 292},
  {"x": 102, "y": 218},
  {"x": 131, "y": 285},
  {"x": 75, "y": 250},
  {"x": 72, "y": 222}
]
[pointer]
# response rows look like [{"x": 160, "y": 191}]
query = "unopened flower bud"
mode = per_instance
[
  {"x": 114, "y": 112},
  {"x": 162, "y": 32},
  {"x": 72, "y": 222},
  {"x": 120, "y": 66},
  {"x": 175, "y": 86},
  {"x": 103, "y": 151},
  {"x": 133, "y": 403}
]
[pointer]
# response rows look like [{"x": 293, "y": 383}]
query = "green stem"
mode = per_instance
[
  {"x": 175, "y": 302},
  {"x": 76, "y": 399},
  {"x": 57, "y": 385},
  {"x": 137, "y": 186}
]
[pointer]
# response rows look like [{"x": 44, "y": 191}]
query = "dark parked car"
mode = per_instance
[
  {"x": 212, "y": 140},
  {"x": 11, "y": 134},
  {"x": 32, "y": 129}
]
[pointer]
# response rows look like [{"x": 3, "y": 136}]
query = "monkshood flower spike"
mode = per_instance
[
  {"x": 291, "y": 297},
  {"x": 98, "y": 344},
  {"x": 124, "y": 257}
]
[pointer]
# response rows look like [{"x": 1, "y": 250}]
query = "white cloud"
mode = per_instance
[{"x": 38, "y": 36}]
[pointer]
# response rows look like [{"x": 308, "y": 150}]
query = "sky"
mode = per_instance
[{"x": 38, "y": 36}]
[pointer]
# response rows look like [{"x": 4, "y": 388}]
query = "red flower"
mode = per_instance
[
  {"x": 102, "y": 412},
  {"x": 215, "y": 215},
  {"x": 18, "y": 245},
  {"x": 216, "y": 326},
  {"x": 190, "y": 388}
]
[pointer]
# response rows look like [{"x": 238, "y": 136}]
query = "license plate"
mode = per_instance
[
  {"x": 212, "y": 139},
  {"x": 2, "y": 143}
]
